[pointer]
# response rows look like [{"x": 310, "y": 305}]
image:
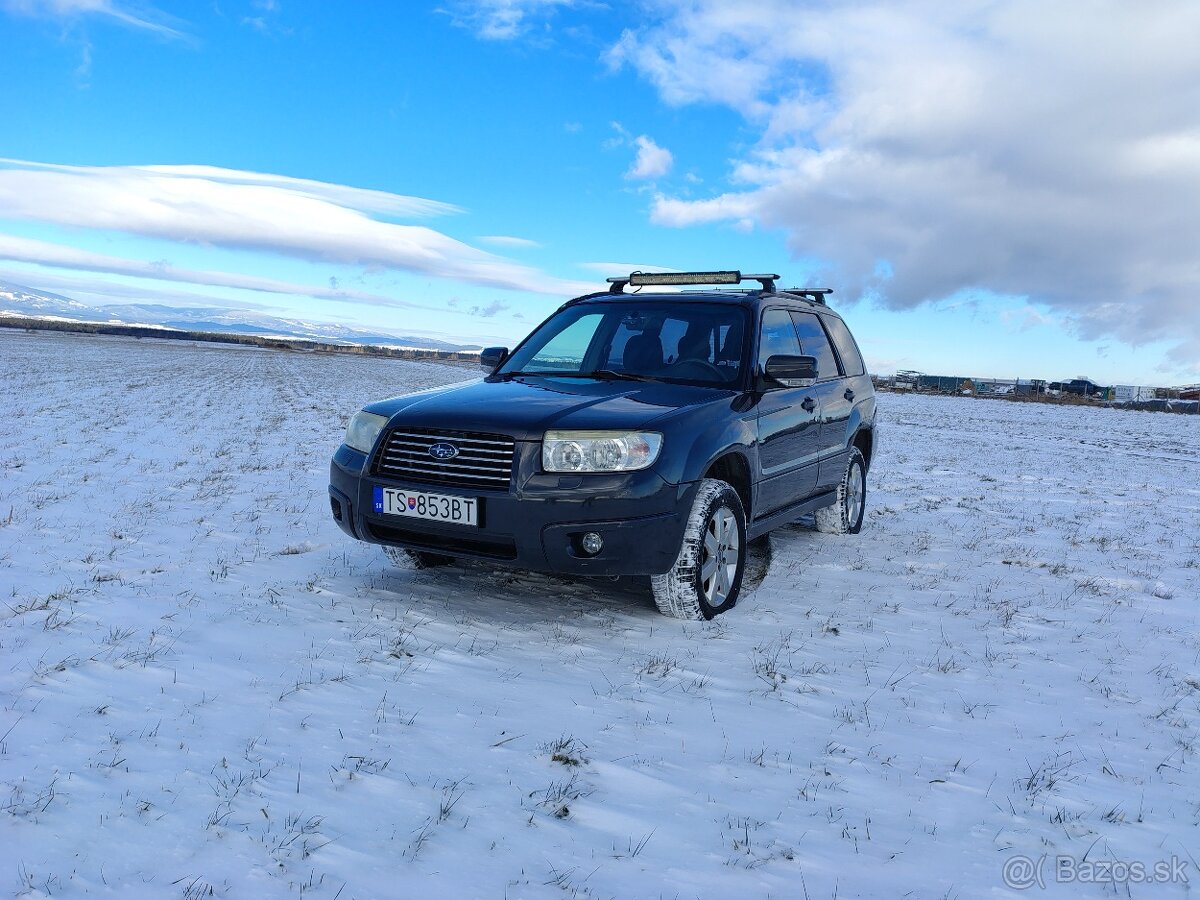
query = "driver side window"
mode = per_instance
[
  {"x": 566, "y": 349},
  {"x": 778, "y": 336}
]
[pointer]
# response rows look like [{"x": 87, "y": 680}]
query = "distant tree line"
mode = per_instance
[{"x": 273, "y": 343}]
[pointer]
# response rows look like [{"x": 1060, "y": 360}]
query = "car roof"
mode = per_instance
[{"x": 753, "y": 299}]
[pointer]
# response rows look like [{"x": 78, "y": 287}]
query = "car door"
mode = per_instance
[
  {"x": 833, "y": 395},
  {"x": 789, "y": 425}
]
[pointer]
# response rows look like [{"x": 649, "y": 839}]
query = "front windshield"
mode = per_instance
[{"x": 690, "y": 343}]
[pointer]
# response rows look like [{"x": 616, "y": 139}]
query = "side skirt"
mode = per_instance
[{"x": 759, "y": 527}]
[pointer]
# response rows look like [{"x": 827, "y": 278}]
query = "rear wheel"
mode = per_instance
[
  {"x": 416, "y": 559},
  {"x": 707, "y": 575},
  {"x": 846, "y": 515}
]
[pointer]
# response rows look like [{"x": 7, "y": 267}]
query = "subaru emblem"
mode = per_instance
[{"x": 443, "y": 451}]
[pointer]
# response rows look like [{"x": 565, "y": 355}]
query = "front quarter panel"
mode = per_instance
[{"x": 694, "y": 437}]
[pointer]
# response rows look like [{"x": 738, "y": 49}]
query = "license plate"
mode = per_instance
[{"x": 419, "y": 505}]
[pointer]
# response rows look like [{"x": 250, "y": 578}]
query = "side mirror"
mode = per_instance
[
  {"x": 791, "y": 371},
  {"x": 490, "y": 358}
]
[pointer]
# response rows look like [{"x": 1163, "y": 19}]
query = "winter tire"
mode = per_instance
[
  {"x": 846, "y": 515},
  {"x": 707, "y": 575},
  {"x": 416, "y": 559}
]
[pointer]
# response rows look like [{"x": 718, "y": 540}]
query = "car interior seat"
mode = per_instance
[{"x": 643, "y": 353}]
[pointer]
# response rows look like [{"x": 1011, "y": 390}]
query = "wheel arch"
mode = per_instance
[
  {"x": 864, "y": 440},
  {"x": 733, "y": 467}
]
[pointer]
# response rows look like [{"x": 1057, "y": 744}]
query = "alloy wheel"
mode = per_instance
[
  {"x": 719, "y": 560},
  {"x": 854, "y": 495}
]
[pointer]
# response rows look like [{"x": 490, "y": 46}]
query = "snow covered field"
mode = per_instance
[{"x": 206, "y": 690}]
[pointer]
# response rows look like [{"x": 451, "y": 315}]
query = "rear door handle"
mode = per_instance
[
  {"x": 809, "y": 404},
  {"x": 849, "y": 395}
]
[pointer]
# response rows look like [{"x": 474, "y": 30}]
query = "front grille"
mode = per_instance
[{"x": 483, "y": 460}]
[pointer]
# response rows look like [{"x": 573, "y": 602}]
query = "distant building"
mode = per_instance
[
  {"x": 995, "y": 385},
  {"x": 943, "y": 384}
]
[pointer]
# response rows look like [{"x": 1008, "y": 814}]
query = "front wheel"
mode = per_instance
[
  {"x": 846, "y": 515},
  {"x": 707, "y": 574}
]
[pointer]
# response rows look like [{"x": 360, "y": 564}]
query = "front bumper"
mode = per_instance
[{"x": 536, "y": 524}]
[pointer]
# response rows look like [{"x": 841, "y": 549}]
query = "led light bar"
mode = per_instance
[{"x": 638, "y": 279}]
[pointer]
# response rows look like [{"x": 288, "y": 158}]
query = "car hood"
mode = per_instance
[{"x": 528, "y": 407}]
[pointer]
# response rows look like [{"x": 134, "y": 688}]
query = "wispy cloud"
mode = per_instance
[
  {"x": 1013, "y": 146},
  {"x": 97, "y": 290},
  {"x": 266, "y": 19},
  {"x": 57, "y": 256},
  {"x": 489, "y": 310},
  {"x": 142, "y": 17},
  {"x": 500, "y": 240},
  {"x": 255, "y": 212},
  {"x": 502, "y": 20}
]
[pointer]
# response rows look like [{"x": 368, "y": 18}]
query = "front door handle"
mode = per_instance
[
  {"x": 809, "y": 404},
  {"x": 849, "y": 395}
]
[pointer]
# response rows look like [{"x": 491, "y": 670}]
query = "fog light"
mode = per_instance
[{"x": 591, "y": 543}]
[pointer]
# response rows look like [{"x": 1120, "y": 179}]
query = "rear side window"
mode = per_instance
[
  {"x": 852, "y": 360},
  {"x": 814, "y": 342},
  {"x": 778, "y": 336}
]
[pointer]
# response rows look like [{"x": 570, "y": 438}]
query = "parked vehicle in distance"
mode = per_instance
[
  {"x": 652, "y": 433},
  {"x": 1083, "y": 387}
]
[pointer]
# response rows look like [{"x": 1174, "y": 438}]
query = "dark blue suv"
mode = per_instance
[{"x": 651, "y": 433}]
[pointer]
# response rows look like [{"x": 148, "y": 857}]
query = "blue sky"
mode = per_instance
[{"x": 950, "y": 169}]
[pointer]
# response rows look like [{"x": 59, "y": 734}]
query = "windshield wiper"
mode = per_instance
[
  {"x": 610, "y": 375},
  {"x": 599, "y": 374}
]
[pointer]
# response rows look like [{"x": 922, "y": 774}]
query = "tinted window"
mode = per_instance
[
  {"x": 566, "y": 349},
  {"x": 852, "y": 360},
  {"x": 813, "y": 342},
  {"x": 672, "y": 333},
  {"x": 692, "y": 344},
  {"x": 686, "y": 335},
  {"x": 778, "y": 336}
]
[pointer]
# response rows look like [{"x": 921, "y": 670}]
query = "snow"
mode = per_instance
[{"x": 207, "y": 690}]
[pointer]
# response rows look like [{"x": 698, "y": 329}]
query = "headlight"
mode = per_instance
[
  {"x": 363, "y": 429},
  {"x": 600, "y": 451}
]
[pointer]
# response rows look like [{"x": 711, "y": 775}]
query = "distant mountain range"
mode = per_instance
[{"x": 16, "y": 300}]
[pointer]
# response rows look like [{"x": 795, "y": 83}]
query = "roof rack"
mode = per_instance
[
  {"x": 731, "y": 276},
  {"x": 816, "y": 295}
]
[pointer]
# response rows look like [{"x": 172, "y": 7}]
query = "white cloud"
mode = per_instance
[
  {"x": 501, "y": 20},
  {"x": 361, "y": 199},
  {"x": 1026, "y": 317},
  {"x": 1030, "y": 149},
  {"x": 255, "y": 212},
  {"x": 652, "y": 160},
  {"x": 500, "y": 240},
  {"x": 57, "y": 256},
  {"x": 681, "y": 213},
  {"x": 98, "y": 291},
  {"x": 490, "y": 310},
  {"x": 144, "y": 18}
]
